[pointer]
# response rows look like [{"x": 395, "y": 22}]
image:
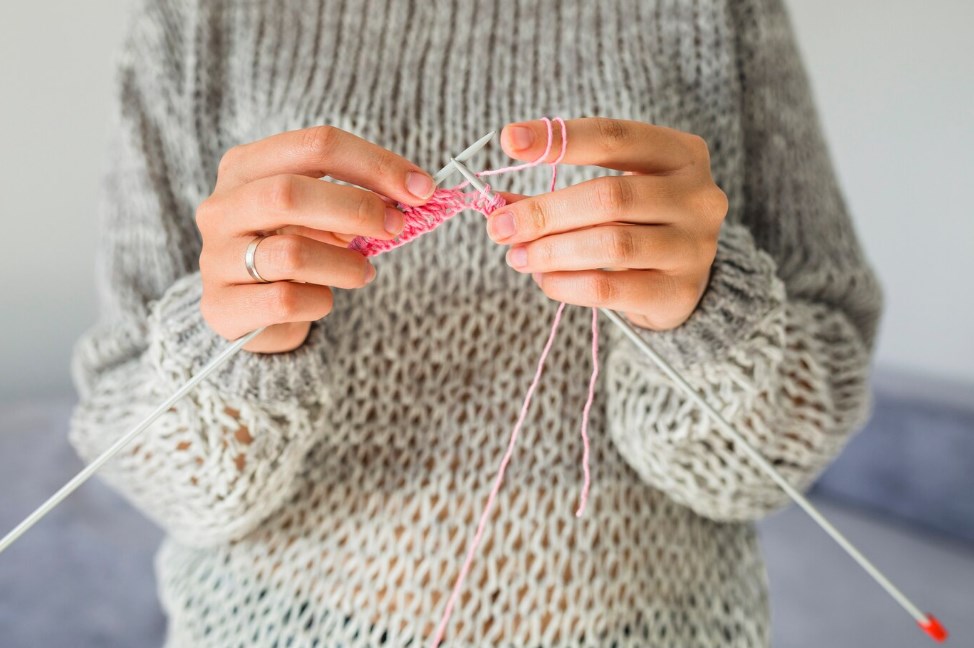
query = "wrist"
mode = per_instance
[
  {"x": 181, "y": 343},
  {"x": 742, "y": 290}
]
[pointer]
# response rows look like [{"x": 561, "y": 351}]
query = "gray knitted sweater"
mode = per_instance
[{"x": 326, "y": 496}]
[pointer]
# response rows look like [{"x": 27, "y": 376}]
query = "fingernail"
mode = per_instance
[
  {"x": 370, "y": 273},
  {"x": 419, "y": 184},
  {"x": 501, "y": 226},
  {"x": 522, "y": 137},
  {"x": 517, "y": 257},
  {"x": 394, "y": 220}
]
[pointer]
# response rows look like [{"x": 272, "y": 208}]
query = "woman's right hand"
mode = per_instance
[{"x": 273, "y": 186}]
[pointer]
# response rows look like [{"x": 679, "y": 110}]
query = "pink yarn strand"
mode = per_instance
[
  {"x": 588, "y": 407},
  {"x": 561, "y": 155},
  {"x": 527, "y": 165},
  {"x": 443, "y": 205},
  {"x": 497, "y": 483}
]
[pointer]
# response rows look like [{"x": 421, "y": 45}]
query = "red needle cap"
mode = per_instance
[{"x": 933, "y": 628}]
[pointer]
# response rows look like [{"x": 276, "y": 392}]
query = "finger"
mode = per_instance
[
  {"x": 621, "y": 144},
  {"x": 510, "y": 197},
  {"x": 288, "y": 257},
  {"x": 243, "y": 308},
  {"x": 607, "y": 246},
  {"x": 278, "y": 201},
  {"x": 662, "y": 300},
  {"x": 326, "y": 151},
  {"x": 331, "y": 238},
  {"x": 280, "y": 338},
  {"x": 630, "y": 199}
]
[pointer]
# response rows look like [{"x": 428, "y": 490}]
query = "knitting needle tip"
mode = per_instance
[
  {"x": 931, "y": 625},
  {"x": 927, "y": 622},
  {"x": 463, "y": 156},
  {"x": 471, "y": 150}
]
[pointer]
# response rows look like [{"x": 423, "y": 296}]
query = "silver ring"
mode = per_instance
[{"x": 249, "y": 258}]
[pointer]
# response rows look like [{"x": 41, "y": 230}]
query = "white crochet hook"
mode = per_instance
[
  {"x": 210, "y": 367},
  {"x": 927, "y": 622}
]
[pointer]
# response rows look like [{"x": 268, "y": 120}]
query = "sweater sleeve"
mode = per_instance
[
  {"x": 782, "y": 338},
  {"x": 225, "y": 456}
]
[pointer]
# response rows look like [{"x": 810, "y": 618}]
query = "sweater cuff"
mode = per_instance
[
  {"x": 181, "y": 343},
  {"x": 743, "y": 292}
]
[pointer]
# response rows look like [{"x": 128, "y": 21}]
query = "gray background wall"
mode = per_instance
[
  {"x": 894, "y": 80},
  {"x": 895, "y": 85},
  {"x": 55, "y": 92}
]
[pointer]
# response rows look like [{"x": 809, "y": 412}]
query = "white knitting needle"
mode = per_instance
[
  {"x": 215, "y": 363},
  {"x": 467, "y": 153},
  {"x": 116, "y": 447},
  {"x": 927, "y": 622}
]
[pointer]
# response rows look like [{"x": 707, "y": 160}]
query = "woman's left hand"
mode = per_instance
[{"x": 642, "y": 243}]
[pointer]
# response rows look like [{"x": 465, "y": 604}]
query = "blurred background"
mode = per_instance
[{"x": 894, "y": 81}]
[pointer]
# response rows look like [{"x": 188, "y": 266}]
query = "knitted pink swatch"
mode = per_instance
[{"x": 443, "y": 205}]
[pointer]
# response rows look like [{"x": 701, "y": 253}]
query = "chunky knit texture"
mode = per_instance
[{"x": 325, "y": 496}]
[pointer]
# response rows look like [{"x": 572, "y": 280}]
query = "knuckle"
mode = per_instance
[
  {"x": 205, "y": 262},
  {"x": 538, "y": 219},
  {"x": 279, "y": 194},
  {"x": 203, "y": 214},
  {"x": 284, "y": 300},
  {"x": 368, "y": 214},
  {"x": 620, "y": 245},
  {"x": 708, "y": 205},
  {"x": 601, "y": 290},
  {"x": 615, "y": 194},
  {"x": 698, "y": 146},
  {"x": 698, "y": 152},
  {"x": 613, "y": 134},
  {"x": 319, "y": 141},
  {"x": 717, "y": 204},
  {"x": 383, "y": 165},
  {"x": 230, "y": 159}
]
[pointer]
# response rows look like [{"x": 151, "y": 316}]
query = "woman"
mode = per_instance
[{"x": 321, "y": 489}]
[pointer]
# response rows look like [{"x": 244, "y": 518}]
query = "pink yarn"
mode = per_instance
[
  {"x": 443, "y": 205},
  {"x": 497, "y": 482},
  {"x": 543, "y": 156},
  {"x": 588, "y": 406}
]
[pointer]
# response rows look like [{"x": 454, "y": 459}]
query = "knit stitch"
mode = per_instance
[
  {"x": 325, "y": 496},
  {"x": 441, "y": 206}
]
